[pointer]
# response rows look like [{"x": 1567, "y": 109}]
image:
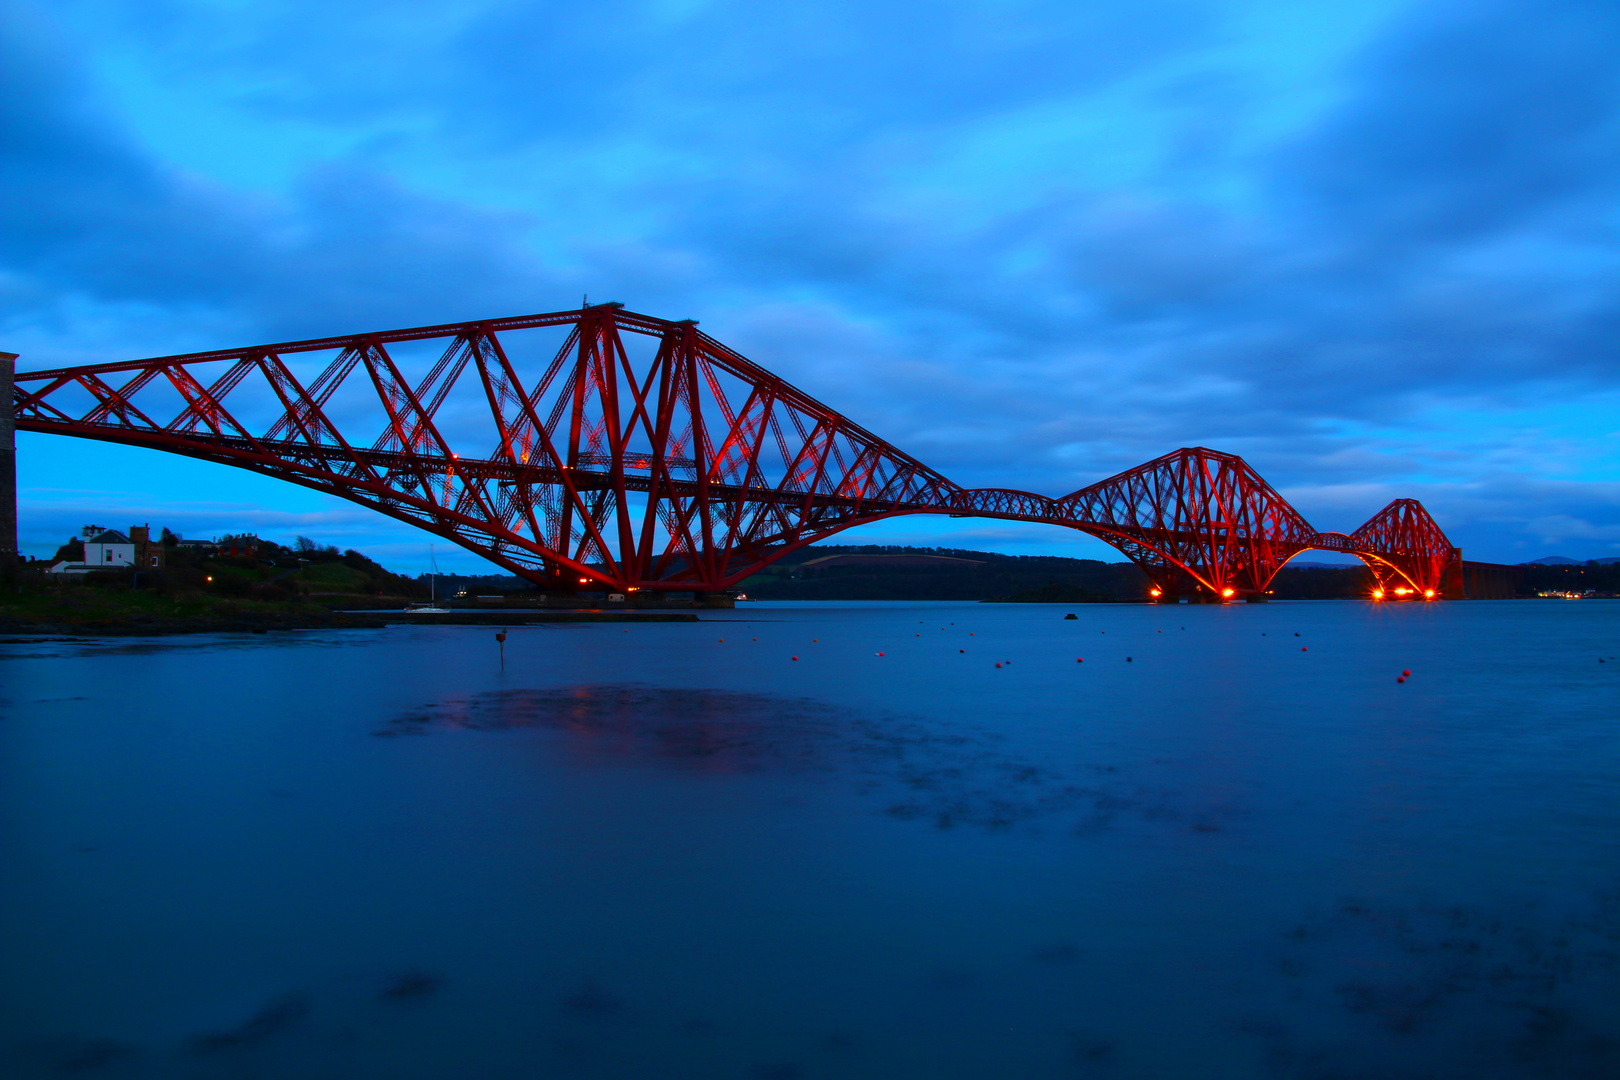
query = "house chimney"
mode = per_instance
[{"x": 8, "y": 461}]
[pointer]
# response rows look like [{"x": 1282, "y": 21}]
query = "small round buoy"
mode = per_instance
[
  {"x": 998, "y": 663},
  {"x": 1303, "y": 648},
  {"x": 756, "y": 639},
  {"x": 1128, "y": 660},
  {"x": 1079, "y": 659},
  {"x": 880, "y": 654},
  {"x": 1296, "y": 635},
  {"x": 1406, "y": 673},
  {"x": 795, "y": 658},
  {"x": 1400, "y": 678},
  {"x": 722, "y": 639},
  {"x": 961, "y": 650}
]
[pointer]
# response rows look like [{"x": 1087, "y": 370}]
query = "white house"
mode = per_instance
[{"x": 104, "y": 549}]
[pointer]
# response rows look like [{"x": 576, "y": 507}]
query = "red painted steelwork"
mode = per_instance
[{"x": 646, "y": 455}]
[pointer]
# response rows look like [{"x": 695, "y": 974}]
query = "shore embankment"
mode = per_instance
[{"x": 142, "y": 624}]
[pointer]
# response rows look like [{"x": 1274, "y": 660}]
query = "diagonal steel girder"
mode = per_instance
[{"x": 680, "y": 465}]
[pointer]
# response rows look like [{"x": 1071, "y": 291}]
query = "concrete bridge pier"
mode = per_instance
[{"x": 8, "y": 467}]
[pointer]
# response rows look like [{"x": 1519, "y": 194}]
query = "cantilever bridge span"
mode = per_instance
[{"x": 602, "y": 449}]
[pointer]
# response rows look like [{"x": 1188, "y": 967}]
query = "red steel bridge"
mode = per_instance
[{"x": 600, "y": 449}]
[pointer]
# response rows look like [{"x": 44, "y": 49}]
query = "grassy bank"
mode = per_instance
[{"x": 200, "y": 593}]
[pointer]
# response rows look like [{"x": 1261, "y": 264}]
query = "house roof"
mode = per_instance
[{"x": 108, "y": 536}]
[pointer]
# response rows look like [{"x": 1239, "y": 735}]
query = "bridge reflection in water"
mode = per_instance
[{"x": 598, "y": 448}]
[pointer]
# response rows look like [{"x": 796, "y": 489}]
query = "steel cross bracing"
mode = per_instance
[{"x": 639, "y": 453}]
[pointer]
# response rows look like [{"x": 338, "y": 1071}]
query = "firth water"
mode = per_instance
[{"x": 1196, "y": 841}]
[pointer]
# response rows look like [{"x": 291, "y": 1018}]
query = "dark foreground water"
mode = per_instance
[{"x": 1228, "y": 844}]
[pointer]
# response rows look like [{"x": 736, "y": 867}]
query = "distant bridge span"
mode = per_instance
[{"x": 624, "y": 452}]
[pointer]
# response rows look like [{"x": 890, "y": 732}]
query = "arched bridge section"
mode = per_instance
[{"x": 602, "y": 449}]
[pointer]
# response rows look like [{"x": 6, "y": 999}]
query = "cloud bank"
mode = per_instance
[{"x": 1375, "y": 251}]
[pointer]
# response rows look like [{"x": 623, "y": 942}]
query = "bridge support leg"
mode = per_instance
[
  {"x": 8, "y": 469},
  {"x": 1452, "y": 585}
]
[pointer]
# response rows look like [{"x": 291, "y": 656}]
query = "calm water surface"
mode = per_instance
[{"x": 1227, "y": 844}]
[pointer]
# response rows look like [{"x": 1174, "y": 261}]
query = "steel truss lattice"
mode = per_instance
[{"x": 642, "y": 454}]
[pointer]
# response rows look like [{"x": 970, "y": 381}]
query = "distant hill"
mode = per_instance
[
  {"x": 1559, "y": 560},
  {"x": 886, "y": 572},
  {"x": 876, "y": 572},
  {"x": 880, "y": 572}
]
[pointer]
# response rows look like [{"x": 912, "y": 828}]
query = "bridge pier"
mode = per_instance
[{"x": 8, "y": 468}]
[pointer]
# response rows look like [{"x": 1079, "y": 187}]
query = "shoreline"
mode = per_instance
[{"x": 138, "y": 626}]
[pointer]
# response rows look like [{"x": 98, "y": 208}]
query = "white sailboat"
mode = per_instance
[{"x": 432, "y": 606}]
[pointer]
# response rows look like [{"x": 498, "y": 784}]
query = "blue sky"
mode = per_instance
[{"x": 1374, "y": 248}]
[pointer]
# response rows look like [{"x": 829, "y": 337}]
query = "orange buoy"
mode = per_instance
[
  {"x": 795, "y": 658},
  {"x": 1079, "y": 659},
  {"x": 1302, "y": 648},
  {"x": 1406, "y": 673},
  {"x": 1400, "y": 678}
]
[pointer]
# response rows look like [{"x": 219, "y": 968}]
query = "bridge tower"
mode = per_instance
[{"x": 8, "y": 466}]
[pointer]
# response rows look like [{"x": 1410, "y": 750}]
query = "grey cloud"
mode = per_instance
[
  {"x": 1434, "y": 237},
  {"x": 1470, "y": 121},
  {"x": 84, "y": 211}
]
